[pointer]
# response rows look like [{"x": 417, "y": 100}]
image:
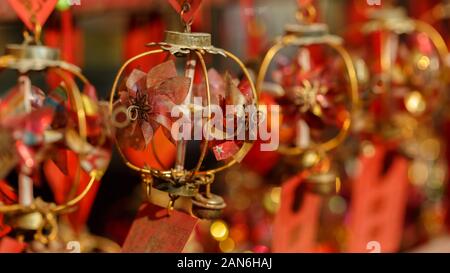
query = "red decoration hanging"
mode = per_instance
[
  {"x": 296, "y": 223},
  {"x": 33, "y": 13},
  {"x": 379, "y": 202},
  {"x": 188, "y": 16},
  {"x": 154, "y": 231}
]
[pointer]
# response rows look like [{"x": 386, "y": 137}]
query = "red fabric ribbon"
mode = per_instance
[{"x": 34, "y": 12}]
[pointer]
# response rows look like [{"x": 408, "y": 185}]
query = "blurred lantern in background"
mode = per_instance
[
  {"x": 311, "y": 77},
  {"x": 147, "y": 100},
  {"x": 61, "y": 128},
  {"x": 403, "y": 78}
]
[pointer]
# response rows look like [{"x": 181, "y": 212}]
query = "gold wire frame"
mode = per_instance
[
  {"x": 75, "y": 97},
  {"x": 196, "y": 171},
  {"x": 292, "y": 40}
]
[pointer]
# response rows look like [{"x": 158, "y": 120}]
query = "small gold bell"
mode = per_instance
[
  {"x": 207, "y": 206},
  {"x": 26, "y": 222},
  {"x": 322, "y": 183}
]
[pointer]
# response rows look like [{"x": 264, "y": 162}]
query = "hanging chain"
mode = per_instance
[
  {"x": 33, "y": 38},
  {"x": 185, "y": 8},
  {"x": 147, "y": 181},
  {"x": 171, "y": 205}
]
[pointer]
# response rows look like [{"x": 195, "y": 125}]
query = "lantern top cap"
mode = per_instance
[
  {"x": 389, "y": 14},
  {"x": 38, "y": 52},
  {"x": 188, "y": 39},
  {"x": 392, "y": 19},
  {"x": 306, "y": 29}
]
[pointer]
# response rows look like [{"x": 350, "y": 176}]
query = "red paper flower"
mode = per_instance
[
  {"x": 148, "y": 100},
  {"x": 305, "y": 88}
]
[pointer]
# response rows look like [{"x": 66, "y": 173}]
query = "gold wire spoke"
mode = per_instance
[
  {"x": 95, "y": 175},
  {"x": 208, "y": 96},
  {"x": 196, "y": 171}
]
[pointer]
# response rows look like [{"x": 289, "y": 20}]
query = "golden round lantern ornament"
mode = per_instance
[
  {"x": 38, "y": 127},
  {"x": 189, "y": 110}
]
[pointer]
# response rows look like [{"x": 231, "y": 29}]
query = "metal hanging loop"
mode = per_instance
[
  {"x": 185, "y": 8},
  {"x": 306, "y": 14}
]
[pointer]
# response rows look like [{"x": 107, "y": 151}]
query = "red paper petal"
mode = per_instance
[
  {"x": 246, "y": 90},
  {"x": 163, "y": 120},
  {"x": 147, "y": 131},
  {"x": 161, "y": 73},
  {"x": 60, "y": 160},
  {"x": 59, "y": 183},
  {"x": 131, "y": 137},
  {"x": 79, "y": 217},
  {"x": 176, "y": 89},
  {"x": 4, "y": 229},
  {"x": 217, "y": 87},
  {"x": 135, "y": 76}
]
